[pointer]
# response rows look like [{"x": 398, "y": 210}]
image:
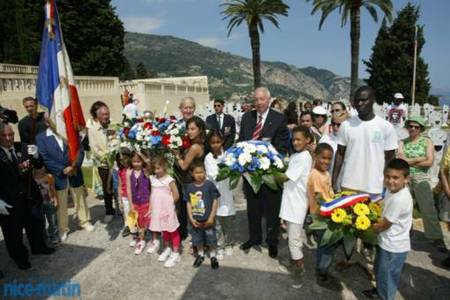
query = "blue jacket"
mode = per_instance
[{"x": 56, "y": 161}]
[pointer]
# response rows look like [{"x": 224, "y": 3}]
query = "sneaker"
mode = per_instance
[
  {"x": 174, "y": 258},
  {"x": 229, "y": 250},
  {"x": 88, "y": 227},
  {"x": 133, "y": 243},
  {"x": 139, "y": 247},
  {"x": 154, "y": 246},
  {"x": 126, "y": 231},
  {"x": 214, "y": 263},
  {"x": 198, "y": 261},
  {"x": 165, "y": 254},
  {"x": 220, "y": 253},
  {"x": 108, "y": 218},
  {"x": 64, "y": 237}
]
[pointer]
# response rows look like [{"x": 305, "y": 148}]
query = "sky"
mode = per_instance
[{"x": 298, "y": 41}]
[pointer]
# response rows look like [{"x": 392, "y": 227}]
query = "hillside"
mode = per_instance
[{"x": 229, "y": 73}]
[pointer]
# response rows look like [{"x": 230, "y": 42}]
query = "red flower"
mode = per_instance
[
  {"x": 162, "y": 120},
  {"x": 166, "y": 139},
  {"x": 156, "y": 133},
  {"x": 139, "y": 120},
  {"x": 148, "y": 125},
  {"x": 186, "y": 142},
  {"x": 173, "y": 119},
  {"x": 126, "y": 130}
]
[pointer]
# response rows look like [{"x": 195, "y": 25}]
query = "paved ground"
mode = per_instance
[{"x": 106, "y": 268}]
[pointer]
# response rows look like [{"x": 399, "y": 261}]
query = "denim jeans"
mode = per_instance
[
  {"x": 388, "y": 268},
  {"x": 324, "y": 254},
  {"x": 50, "y": 214}
]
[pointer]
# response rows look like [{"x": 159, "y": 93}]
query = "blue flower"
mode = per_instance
[{"x": 155, "y": 140}]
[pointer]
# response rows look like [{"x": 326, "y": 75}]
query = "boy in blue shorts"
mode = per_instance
[{"x": 202, "y": 201}]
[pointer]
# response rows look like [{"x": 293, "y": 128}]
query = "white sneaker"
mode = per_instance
[
  {"x": 108, "y": 218},
  {"x": 165, "y": 254},
  {"x": 139, "y": 247},
  {"x": 219, "y": 254},
  {"x": 88, "y": 227},
  {"x": 154, "y": 246},
  {"x": 64, "y": 237},
  {"x": 174, "y": 258},
  {"x": 229, "y": 250},
  {"x": 133, "y": 243}
]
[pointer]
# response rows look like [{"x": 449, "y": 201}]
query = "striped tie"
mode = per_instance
[{"x": 258, "y": 129}]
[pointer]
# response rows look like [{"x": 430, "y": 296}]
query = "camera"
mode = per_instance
[{"x": 8, "y": 115}]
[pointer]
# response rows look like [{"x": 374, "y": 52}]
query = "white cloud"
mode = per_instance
[
  {"x": 210, "y": 41},
  {"x": 142, "y": 24}
]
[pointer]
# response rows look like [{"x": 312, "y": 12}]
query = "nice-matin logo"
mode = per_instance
[{"x": 41, "y": 287}]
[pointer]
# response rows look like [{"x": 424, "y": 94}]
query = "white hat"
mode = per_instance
[
  {"x": 398, "y": 96},
  {"x": 319, "y": 110}
]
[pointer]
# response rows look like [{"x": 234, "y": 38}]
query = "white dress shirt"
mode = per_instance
[{"x": 57, "y": 138}]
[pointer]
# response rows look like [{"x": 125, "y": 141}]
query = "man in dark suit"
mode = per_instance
[
  {"x": 264, "y": 124},
  {"x": 23, "y": 199},
  {"x": 223, "y": 123}
]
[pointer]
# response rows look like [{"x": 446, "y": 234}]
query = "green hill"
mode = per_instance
[{"x": 228, "y": 73}]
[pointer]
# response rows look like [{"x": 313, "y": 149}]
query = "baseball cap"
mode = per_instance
[
  {"x": 319, "y": 110},
  {"x": 398, "y": 96}
]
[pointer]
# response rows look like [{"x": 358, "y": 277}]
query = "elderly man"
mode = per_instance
[
  {"x": 98, "y": 132},
  {"x": 19, "y": 203},
  {"x": 268, "y": 125}
]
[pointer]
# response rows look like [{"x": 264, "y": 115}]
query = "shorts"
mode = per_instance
[{"x": 204, "y": 236}]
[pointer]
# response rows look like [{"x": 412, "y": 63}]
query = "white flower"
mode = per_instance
[
  {"x": 278, "y": 162},
  {"x": 139, "y": 137},
  {"x": 244, "y": 158},
  {"x": 229, "y": 160},
  {"x": 175, "y": 131},
  {"x": 262, "y": 149},
  {"x": 265, "y": 163},
  {"x": 249, "y": 148}
]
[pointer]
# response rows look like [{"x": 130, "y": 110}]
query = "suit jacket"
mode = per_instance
[
  {"x": 56, "y": 161},
  {"x": 10, "y": 178},
  {"x": 274, "y": 130},
  {"x": 228, "y": 128}
]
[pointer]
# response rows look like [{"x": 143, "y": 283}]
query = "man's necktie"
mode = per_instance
[
  {"x": 13, "y": 157},
  {"x": 258, "y": 129}
]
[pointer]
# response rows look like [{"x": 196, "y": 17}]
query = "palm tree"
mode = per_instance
[
  {"x": 253, "y": 12},
  {"x": 352, "y": 8}
]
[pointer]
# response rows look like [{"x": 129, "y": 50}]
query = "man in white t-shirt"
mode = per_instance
[
  {"x": 365, "y": 142},
  {"x": 131, "y": 109},
  {"x": 393, "y": 231}
]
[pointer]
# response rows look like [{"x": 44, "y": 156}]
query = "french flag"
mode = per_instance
[{"x": 56, "y": 89}]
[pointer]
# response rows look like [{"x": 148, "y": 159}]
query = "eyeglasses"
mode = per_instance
[
  {"x": 335, "y": 110},
  {"x": 335, "y": 124},
  {"x": 413, "y": 126}
]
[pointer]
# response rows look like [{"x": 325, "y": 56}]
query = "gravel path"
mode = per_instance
[{"x": 106, "y": 268}]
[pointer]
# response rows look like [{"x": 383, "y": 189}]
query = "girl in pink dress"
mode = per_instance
[{"x": 163, "y": 215}]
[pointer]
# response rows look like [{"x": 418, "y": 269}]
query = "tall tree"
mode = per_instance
[
  {"x": 391, "y": 64},
  {"x": 141, "y": 71},
  {"x": 352, "y": 9},
  {"x": 92, "y": 32},
  {"x": 254, "y": 12}
]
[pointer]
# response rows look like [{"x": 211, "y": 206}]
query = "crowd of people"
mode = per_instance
[{"x": 354, "y": 151}]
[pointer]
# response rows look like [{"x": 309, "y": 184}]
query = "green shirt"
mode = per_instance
[{"x": 416, "y": 149}]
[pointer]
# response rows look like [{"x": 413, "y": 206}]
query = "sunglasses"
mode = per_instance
[
  {"x": 335, "y": 124},
  {"x": 335, "y": 110},
  {"x": 413, "y": 126}
]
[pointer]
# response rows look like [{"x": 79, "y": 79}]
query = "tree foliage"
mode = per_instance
[
  {"x": 253, "y": 13},
  {"x": 92, "y": 31},
  {"x": 351, "y": 9},
  {"x": 391, "y": 64},
  {"x": 141, "y": 71}
]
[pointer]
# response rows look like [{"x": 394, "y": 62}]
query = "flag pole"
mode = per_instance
[{"x": 413, "y": 88}]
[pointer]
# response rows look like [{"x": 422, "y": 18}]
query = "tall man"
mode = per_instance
[
  {"x": 223, "y": 123},
  {"x": 366, "y": 143},
  {"x": 268, "y": 125},
  {"x": 22, "y": 210},
  {"x": 32, "y": 124}
]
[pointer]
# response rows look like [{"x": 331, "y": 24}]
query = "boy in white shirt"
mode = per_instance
[{"x": 393, "y": 229}]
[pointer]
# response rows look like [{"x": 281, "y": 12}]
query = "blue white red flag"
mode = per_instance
[{"x": 56, "y": 90}]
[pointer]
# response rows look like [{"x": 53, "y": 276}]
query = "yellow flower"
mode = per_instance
[
  {"x": 338, "y": 215},
  {"x": 361, "y": 209},
  {"x": 362, "y": 223},
  {"x": 375, "y": 209}
]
